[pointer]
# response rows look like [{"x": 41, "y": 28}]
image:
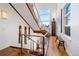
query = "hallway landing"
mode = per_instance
[{"x": 53, "y": 50}]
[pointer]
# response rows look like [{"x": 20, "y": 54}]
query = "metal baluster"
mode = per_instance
[
  {"x": 33, "y": 46},
  {"x": 22, "y": 45},
  {"x": 38, "y": 46},
  {"x": 25, "y": 35},
  {"x": 43, "y": 46},
  {"x": 20, "y": 28}
]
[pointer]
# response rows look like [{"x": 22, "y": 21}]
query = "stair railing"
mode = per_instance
[
  {"x": 43, "y": 42},
  {"x": 25, "y": 36}
]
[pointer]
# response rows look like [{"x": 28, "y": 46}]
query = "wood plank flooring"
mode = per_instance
[
  {"x": 15, "y": 51},
  {"x": 53, "y": 50}
]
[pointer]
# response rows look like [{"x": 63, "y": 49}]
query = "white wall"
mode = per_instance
[
  {"x": 71, "y": 43},
  {"x": 75, "y": 29},
  {"x": 9, "y": 28},
  {"x": 62, "y": 35},
  {"x": 52, "y": 15}
]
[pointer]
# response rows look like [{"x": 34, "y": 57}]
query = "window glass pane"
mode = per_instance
[
  {"x": 68, "y": 8},
  {"x": 43, "y": 11},
  {"x": 67, "y": 31},
  {"x": 68, "y": 20},
  {"x": 45, "y": 23},
  {"x": 44, "y": 17}
]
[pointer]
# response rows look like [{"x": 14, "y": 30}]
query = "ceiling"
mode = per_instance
[
  {"x": 45, "y": 5},
  {"x": 26, "y": 14},
  {"x": 23, "y": 10}
]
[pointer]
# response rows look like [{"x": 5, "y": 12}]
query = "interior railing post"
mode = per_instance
[
  {"x": 33, "y": 46},
  {"x": 43, "y": 46},
  {"x": 21, "y": 46}
]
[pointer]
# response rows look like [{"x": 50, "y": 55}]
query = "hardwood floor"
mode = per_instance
[
  {"x": 53, "y": 50},
  {"x": 15, "y": 51}
]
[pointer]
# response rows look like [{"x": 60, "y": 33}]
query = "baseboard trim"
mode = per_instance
[{"x": 68, "y": 52}]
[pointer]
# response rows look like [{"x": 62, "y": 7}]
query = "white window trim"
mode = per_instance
[
  {"x": 65, "y": 25},
  {"x": 67, "y": 14}
]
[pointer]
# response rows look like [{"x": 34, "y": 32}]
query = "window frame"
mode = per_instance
[
  {"x": 67, "y": 27},
  {"x": 46, "y": 14}
]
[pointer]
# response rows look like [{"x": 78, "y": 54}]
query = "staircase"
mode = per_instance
[
  {"x": 15, "y": 51},
  {"x": 41, "y": 31}
]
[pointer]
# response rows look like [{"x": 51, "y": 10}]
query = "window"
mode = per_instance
[
  {"x": 43, "y": 11},
  {"x": 68, "y": 8},
  {"x": 68, "y": 19},
  {"x": 68, "y": 15},
  {"x": 44, "y": 17},
  {"x": 44, "y": 14},
  {"x": 46, "y": 23}
]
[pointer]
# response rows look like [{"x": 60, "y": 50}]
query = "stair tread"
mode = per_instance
[{"x": 15, "y": 51}]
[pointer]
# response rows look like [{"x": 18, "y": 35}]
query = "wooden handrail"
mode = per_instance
[{"x": 36, "y": 35}]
